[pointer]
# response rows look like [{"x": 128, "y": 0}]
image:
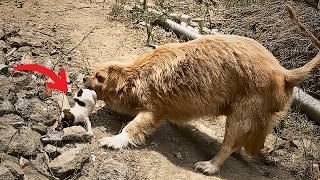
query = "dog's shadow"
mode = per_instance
[{"x": 181, "y": 146}]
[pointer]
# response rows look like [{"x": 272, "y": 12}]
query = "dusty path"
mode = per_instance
[{"x": 168, "y": 154}]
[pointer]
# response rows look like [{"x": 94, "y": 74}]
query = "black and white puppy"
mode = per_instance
[{"x": 85, "y": 101}]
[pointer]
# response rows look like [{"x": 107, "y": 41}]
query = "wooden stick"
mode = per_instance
[{"x": 297, "y": 22}]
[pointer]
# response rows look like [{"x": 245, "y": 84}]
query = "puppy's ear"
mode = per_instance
[
  {"x": 80, "y": 92},
  {"x": 68, "y": 119},
  {"x": 81, "y": 103}
]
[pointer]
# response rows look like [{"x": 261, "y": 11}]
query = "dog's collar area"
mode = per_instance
[{"x": 81, "y": 103}]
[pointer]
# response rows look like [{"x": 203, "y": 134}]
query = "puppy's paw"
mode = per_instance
[
  {"x": 119, "y": 141},
  {"x": 206, "y": 167}
]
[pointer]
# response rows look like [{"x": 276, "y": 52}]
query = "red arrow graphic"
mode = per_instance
[{"x": 59, "y": 81}]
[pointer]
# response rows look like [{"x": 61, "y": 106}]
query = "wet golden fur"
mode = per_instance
[{"x": 211, "y": 76}]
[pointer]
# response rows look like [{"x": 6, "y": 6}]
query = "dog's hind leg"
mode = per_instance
[
  {"x": 233, "y": 138},
  {"x": 134, "y": 132}
]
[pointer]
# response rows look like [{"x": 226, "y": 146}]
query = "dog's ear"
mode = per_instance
[{"x": 99, "y": 77}]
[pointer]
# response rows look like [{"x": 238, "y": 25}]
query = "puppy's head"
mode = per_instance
[
  {"x": 66, "y": 120},
  {"x": 86, "y": 98}
]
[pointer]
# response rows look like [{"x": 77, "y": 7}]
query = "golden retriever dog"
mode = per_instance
[{"x": 210, "y": 76}]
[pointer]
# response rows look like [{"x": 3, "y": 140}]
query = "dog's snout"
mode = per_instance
[{"x": 84, "y": 79}]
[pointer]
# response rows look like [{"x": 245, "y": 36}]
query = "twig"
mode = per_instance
[
  {"x": 297, "y": 22},
  {"x": 66, "y": 54},
  {"x": 81, "y": 40}
]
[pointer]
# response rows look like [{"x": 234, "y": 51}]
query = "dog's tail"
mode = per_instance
[{"x": 295, "y": 76}]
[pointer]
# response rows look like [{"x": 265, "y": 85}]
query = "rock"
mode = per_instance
[
  {"x": 6, "y": 108},
  {"x": 215, "y": 32},
  {"x": 25, "y": 50},
  {"x": 11, "y": 119},
  {"x": 3, "y": 59},
  {"x": 273, "y": 142},
  {"x": 17, "y": 42},
  {"x": 7, "y": 157},
  {"x": 53, "y": 52},
  {"x": 40, "y": 128},
  {"x": 15, "y": 56},
  {"x": 24, "y": 162},
  {"x": 5, "y": 173},
  {"x": 22, "y": 82},
  {"x": 185, "y": 20},
  {"x": 70, "y": 161},
  {"x": 4, "y": 69},
  {"x": 280, "y": 152},
  {"x": 26, "y": 142},
  {"x": 41, "y": 162},
  {"x": 53, "y": 137},
  {"x": 75, "y": 133},
  {"x": 14, "y": 168},
  {"x": 24, "y": 107},
  {"x": 3, "y": 46},
  {"x": 315, "y": 171},
  {"x": 27, "y": 59},
  {"x": 194, "y": 24},
  {"x": 62, "y": 101},
  {"x": 53, "y": 151},
  {"x": 43, "y": 113},
  {"x": 295, "y": 143},
  {"x": 44, "y": 93},
  {"x": 30, "y": 173},
  {"x": 178, "y": 155},
  {"x": 2, "y": 34}
]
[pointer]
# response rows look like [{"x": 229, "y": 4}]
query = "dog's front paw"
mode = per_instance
[
  {"x": 206, "y": 167},
  {"x": 119, "y": 141}
]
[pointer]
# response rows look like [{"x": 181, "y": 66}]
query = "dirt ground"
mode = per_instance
[{"x": 55, "y": 32}]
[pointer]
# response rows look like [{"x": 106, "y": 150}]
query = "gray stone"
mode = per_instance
[
  {"x": 5, "y": 173},
  {"x": 25, "y": 49},
  {"x": 52, "y": 137},
  {"x": 26, "y": 59},
  {"x": 10, "y": 119},
  {"x": 2, "y": 57},
  {"x": 14, "y": 168},
  {"x": 26, "y": 142},
  {"x": 6, "y": 108},
  {"x": 4, "y": 69},
  {"x": 41, "y": 162},
  {"x": 17, "y": 42},
  {"x": 30, "y": 174},
  {"x": 3, "y": 46},
  {"x": 44, "y": 113},
  {"x": 54, "y": 52},
  {"x": 7, "y": 157},
  {"x": 2, "y": 33},
  {"x": 75, "y": 133},
  {"x": 53, "y": 151},
  {"x": 24, "y": 107},
  {"x": 40, "y": 128},
  {"x": 178, "y": 155},
  {"x": 70, "y": 161}
]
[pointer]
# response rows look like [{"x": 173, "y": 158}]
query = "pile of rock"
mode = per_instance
[{"x": 29, "y": 146}]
